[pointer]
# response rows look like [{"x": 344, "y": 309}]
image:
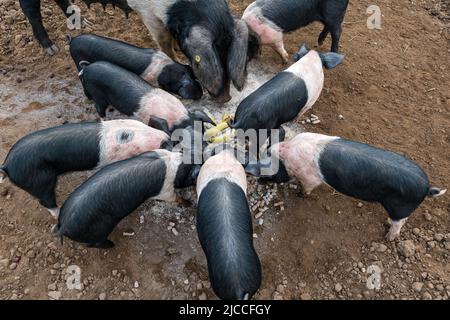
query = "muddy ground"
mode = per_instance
[{"x": 392, "y": 91}]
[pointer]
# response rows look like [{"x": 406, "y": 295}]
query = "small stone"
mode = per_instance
[
  {"x": 277, "y": 296},
  {"x": 136, "y": 284},
  {"x": 427, "y": 216},
  {"x": 17, "y": 39},
  {"x": 427, "y": 296},
  {"x": 102, "y": 296},
  {"x": 338, "y": 287},
  {"x": 186, "y": 281},
  {"x": 255, "y": 236},
  {"x": 13, "y": 266},
  {"x": 31, "y": 254},
  {"x": 202, "y": 296},
  {"x": 305, "y": 296},
  {"x": 54, "y": 295},
  {"x": 114, "y": 272},
  {"x": 175, "y": 232},
  {"x": 341, "y": 117},
  {"x": 381, "y": 247},
  {"x": 360, "y": 205},
  {"x": 280, "y": 288},
  {"x": 439, "y": 237},
  {"x": 52, "y": 287},
  {"x": 406, "y": 248},
  {"x": 417, "y": 286}
]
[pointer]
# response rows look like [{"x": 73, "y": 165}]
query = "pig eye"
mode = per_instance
[
  {"x": 197, "y": 59},
  {"x": 124, "y": 136}
]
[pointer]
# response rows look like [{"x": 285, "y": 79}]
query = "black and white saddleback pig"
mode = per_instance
[
  {"x": 269, "y": 19},
  {"x": 224, "y": 226},
  {"x": 36, "y": 160},
  {"x": 354, "y": 169},
  {"x": 153, "y": 66},
  {"x": 215, "y": 43},
  {"x": 32, "y": 10},
  {"x": 94, "y": 209},
  {"x": 288, "y": 95},
  {"x": 108, "y": 84}
]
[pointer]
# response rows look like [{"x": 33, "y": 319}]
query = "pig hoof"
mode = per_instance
[
  {"x": 54, "y": 212},
  {"x": 52, "y": 50},
  {"x": 390, "y": 236}
]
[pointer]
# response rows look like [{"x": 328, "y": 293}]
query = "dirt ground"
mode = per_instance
[{"x": 392, "y": 91}]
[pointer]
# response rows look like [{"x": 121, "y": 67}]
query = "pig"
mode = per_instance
[
  {"x": 36, "y": 160},
  {"x": 216, "y": 44},
  {"x": 153, "y": 66},
  {"x": 288, "y": 95},
  {"x": 224, "y": 226},
  {"x": 108, "y": 84},
  {"x": 32, "y": 10},
  {"x": 355, "y": 169},
  {"x": 269, "y": 19},
  {"x": 94, "y": 209}
]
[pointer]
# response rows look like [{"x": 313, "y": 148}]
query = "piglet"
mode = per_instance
[
  {"x": 269, "y": 19},
  {"x": 288, "y": 95},
  {"x": 36, "y": 160},
  {"x": 224, "y": 226},
  {"x": 153, "y": 66},
  {"x": 94, "y": 209},
  {"x": 108, "y": 84},
  {"x": 354, "y": 169}
]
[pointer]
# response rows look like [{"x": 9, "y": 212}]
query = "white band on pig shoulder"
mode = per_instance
[
  {"x": 224, "y": 165},
  {"x": 159, "y": 61}
]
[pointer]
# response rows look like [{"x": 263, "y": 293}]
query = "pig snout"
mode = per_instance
[
  {"x": 190, "y": 89},
  {"x": 209, "y": 70}
]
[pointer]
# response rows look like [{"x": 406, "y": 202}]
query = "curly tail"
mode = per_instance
[
  {"x": 436, "y": 192},
  {"x": 68, "y": 38},
  {"x": 3, "y": 175}
]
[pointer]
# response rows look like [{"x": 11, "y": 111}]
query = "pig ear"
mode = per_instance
[
  {"x": 253, "y": 169},
  {"x": 195, "y": 172},
  {"x": 301, "y": 53},
  {"x": 83, "y": 63},
  {"x": 201, "y": 116},
  {"x": 237, "y": 56},
  {"x": 331, "y": 59}
]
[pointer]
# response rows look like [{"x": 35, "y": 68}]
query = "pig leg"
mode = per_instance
[
  {"x": 45, "y": 182},
  {"x": 395, "y": 228},
  {"x": 101, "y": 103},
  {"x": 159, "y": 124},
  {"x": 335, "y": 36},
  {"x": 278, "y": 46},
  {"x": 32, "y": 10},
  {"x": 107, "y": 244},
  {"x": 323, "y": 35}
]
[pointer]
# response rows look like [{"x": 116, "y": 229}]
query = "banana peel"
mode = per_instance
[
  {"x": 211, "y": 134},
  {"x": 225, "y": 137}
]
